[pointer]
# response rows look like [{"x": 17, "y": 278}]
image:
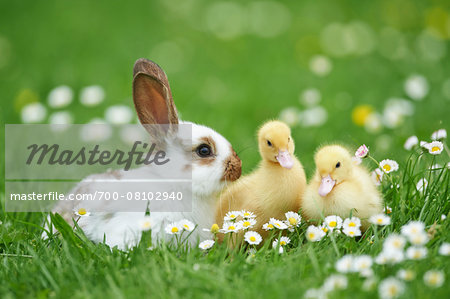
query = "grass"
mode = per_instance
[
  {"x": 71, "y": 265},
  {"x": 232, "y": 85}
]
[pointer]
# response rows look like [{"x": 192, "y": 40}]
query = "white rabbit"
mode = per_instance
[{"x": 213, "y": 163}]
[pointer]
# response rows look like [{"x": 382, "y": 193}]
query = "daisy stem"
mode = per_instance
[
  {"x": 375, "y": 230},
  {"x": 333, "y": 240},
  {"x": 313, "y": 259}
]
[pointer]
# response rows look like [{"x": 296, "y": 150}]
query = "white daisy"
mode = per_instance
[
  {"x": 247, "y": 223},
  {"x": 416, "y": 87},
  {"x": 362, "y": 262},
  {"x": 394, "y": 242},
  {"x": 290, "y": 116},
  {"x": 439, "y": 134},
  {"x": 81, "y": 212},
  {"x": 92, "y": 95},
  {"x": 443, "y": 217},
  {"x": 119, "y": 114},
  {"x": 416, "y": 253},
  {"x": 421, "y": 185},
  {"x": 380, "y": 219},
  {"x": 412, "y": 228},
  {"x": 389, "y": 166},
  {"x": 268, "y": 226},
  {"x": 423, "y": 144},
  {"x": 252, "y": 238},
  {"x": 231, "y": 227},
  {"x": 333, "y": 222},
  {"x": 173, "y": 229},
  {"x": 232, "y": 215},
  {"x": 207, "y": 244},
  {"x": 324, "y": 228},
  {"x": 434, "y": 278},
  {"x": 345, "y": 264},
  {"x": 406, "y": 275},
  {"x": 277, "y": 223},
  {"x": 33, "y": 113},
  {"x": 411, "y": 142},
  {"x": 435, "y": 147},
  {"x": 362, "y": 151},
  {"x": 377, "y": 176},
  {"x": 247, "y": 214},
  {"x": 335, "y": 282},
  {"x": 283, "y": 242},
  {"x": 186, "y": 225},
  {"x": 145, "y": 223},
  {"x": 352, "y": 231},
  {"x": 352, "y": 222},
  {"x": 369, "y": 284},
  {"x": 314, "y": 233},
  {"x": 293, "y": 219},
  {"x": 390, "y": 288},
  {"x": 444, "y": 249},
  {"x": 390, "y": 257},
  {"x": 419, "y": 239},
  {"x": 60, "y": 96}
]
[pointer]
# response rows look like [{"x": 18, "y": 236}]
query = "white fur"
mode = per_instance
[{"x": 122, "y": 228}]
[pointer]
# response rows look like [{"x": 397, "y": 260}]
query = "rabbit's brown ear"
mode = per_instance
[{"x": 151, "y": 94}]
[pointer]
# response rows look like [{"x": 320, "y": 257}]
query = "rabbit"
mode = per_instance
[{"x": 213, "y": 164}]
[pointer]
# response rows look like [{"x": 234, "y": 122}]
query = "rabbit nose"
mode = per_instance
[{"x": 233, "y": 167}]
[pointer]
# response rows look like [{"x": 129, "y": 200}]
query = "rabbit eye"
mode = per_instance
[
  {"x": 204, "y": 150},
  {"x": 269, "y": 143},
  {"x": 338, "y": 164}
]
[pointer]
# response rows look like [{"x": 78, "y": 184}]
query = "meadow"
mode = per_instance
[{"x": 352, "y": 72}]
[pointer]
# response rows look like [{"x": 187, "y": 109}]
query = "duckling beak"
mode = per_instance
[
  {"x": 326, "y": 185},
  {"x": 285, "y": 159}
]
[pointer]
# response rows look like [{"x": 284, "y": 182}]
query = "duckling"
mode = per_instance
[
  {"x": 275, "y": 187},
  {"x": 339, "y": 187}
]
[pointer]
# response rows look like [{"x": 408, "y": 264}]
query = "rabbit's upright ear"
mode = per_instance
[{"x": 152, "y": 96}]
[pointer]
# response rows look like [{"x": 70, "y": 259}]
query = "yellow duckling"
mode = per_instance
[
  {"x": 340, "y": 186},
  {"x": 275, "y": 187}
]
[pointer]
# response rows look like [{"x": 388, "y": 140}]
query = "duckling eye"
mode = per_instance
[
  {"x": 269, "y": 143},
  {"x": 338, "y": 164}
]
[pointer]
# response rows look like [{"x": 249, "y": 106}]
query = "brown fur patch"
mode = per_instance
[{"x": 233, "y": 167}]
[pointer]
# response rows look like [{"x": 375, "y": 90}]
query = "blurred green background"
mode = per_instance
[{"x": 330, "y": 68}]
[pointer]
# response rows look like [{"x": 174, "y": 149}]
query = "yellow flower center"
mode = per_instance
[
  {"x": 387, "y": 167},
  {"x": 186, "y": 226},
  {"x": 82, "y": 211},
  {"x": 214, "y": 228},
  {"x": 311, "y": 235},
  {"x": 416, "y": 255},
  {"x": 146, "y": 224},
  {"x": 352, "y": 224},
  {"x": 379, "y": 220},
  {"x": 282, "y": 243},
  {"x": 270, "y": 226},
  {"x": 333, "y": 223},
  {"x": 231, "y": 227},
  {"x": 174, "y": 229},
  {"x": 325, "y": 229},
  {"x": 393, "y": 290},
  {"x": 246, "y": 223},
  {"x": 246, "y": 214},
  {"x": 277, "y": 224},
  {"x": 232, "y": 216},
  {"x": 435, "y": 149},
  {"x": 351, "y": 233},
  {"x": 434, "y": 280},
  {"x": 252, "y": 238},
  {"x": 292, "y": 221}
]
